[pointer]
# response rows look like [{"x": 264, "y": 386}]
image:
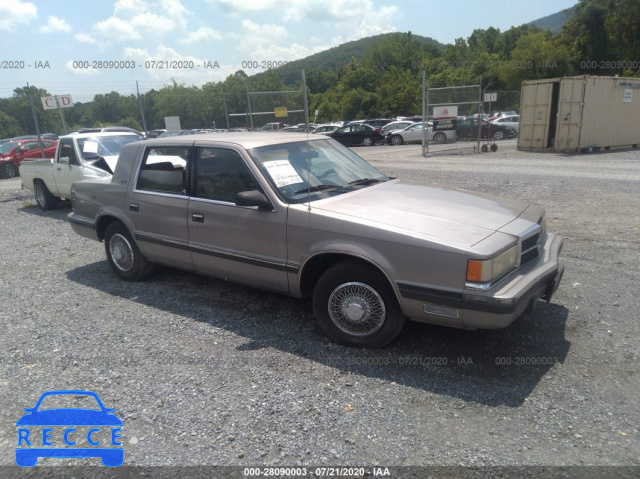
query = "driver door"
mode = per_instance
[{"x": 67, "y": 168}]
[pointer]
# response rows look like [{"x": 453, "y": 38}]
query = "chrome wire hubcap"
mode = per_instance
[
  {"x": 121, "y": 252},
  {"x": 356, "y": 309}
]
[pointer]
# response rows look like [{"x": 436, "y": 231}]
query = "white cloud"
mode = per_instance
[
  {"x": 176, "y": 11},
  {"x": 15, "y": 12},
  {"x": 152, "y": 23},
  {"x": 202, "y": 35},
  {"x": 297, "y": 10},
  {"x": 198, "y": 73},
  {"x": 85, "y": 38},
  {"x": 55, "y": 24},
  {"x": 116, "y": 29},
  {"x": 255, "y": 35},
  {"x": 133, "y": 6},
  {"x": 372, "y": 23}
]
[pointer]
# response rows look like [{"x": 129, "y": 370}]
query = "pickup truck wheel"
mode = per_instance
[
  {"x": 123, "y": 254},
  {"x": 44, "y": 198},
  {"x": 9, "y": 170},
  {"x": 355, "y": 305}
]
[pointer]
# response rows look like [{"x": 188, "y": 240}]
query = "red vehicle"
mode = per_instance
[{"x": 15, "y": 152}]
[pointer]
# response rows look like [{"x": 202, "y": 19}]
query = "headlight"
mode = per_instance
[{"x": 488, "y": 270}]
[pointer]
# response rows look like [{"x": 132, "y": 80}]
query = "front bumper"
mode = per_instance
[{"x": 493, "y": 309}]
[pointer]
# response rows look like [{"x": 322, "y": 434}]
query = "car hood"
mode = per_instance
[{"x": 456, "y": 217}]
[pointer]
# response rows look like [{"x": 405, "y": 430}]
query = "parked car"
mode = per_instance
[
  {"x": 325, "y": 129},
  {"x": 357, "y": 134},
  {"x": 510, "y": 121},
  {"x": 109, "y": 129},
  {"x": 375, "y": 122},
  {"x": 154, "y": 133},
  {"x": 500, "y": 114},
  {"x": 275, "y": 126},
  {"x": 308, "y": 217},
  {"x": 78, "y": 156},
  {"x": 468, "y": 128},
  {"x": 13, "y": 153},
  {"x": 413, "y": 134},
  {"x": 190, "y": 131},
  {"x": 397, "y": 125}
]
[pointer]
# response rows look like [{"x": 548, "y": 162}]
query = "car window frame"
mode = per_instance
[
  {"x": 187, "y": 175},
  {"x": 195, "y": 172}
]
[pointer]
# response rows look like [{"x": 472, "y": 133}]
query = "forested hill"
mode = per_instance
[
  {"x": 337, "y": 57},
  {"x": 554, "y": 22}
]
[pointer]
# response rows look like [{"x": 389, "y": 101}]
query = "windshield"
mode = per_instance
[
  {"x": 7, "y": 147},
  {"x": 97, "y": 146},
  {"x": 314, "y": 169}
]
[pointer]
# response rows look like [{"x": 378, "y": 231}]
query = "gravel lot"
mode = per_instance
[{"x": 204, "y": 372}]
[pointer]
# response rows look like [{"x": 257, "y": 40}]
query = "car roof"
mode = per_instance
[{"x": 246, "y": 140}]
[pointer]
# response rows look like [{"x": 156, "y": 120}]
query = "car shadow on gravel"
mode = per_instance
[
  {"x": 60, "y": 213},
  {"x": 490, "y": 367}
]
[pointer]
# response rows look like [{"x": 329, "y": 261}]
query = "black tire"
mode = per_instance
[
  {"x": 354, "y": 305},
  {"x": 499, "y": 135},
  {"x": 439, "y": 137},
  {"x": 368, "y": 141},
  {"x": 9, "y": 170},
  {"x": 397, "y": 140},
  {"x": 45, "y": 199},
  {"x": 123, "y": 254},
  {"x": 494, "y": 147},
  {"x": 484, "y": 148}
]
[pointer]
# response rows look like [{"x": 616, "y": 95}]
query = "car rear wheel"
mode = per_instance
[
  {"x": 123, "y": 254},
  {"x": 499, "y": 135},
  {"x": 354, "y": 305},
  {"x": 368, "y": 141},
  {"x": 45, "y": 199},
  {"x": 9, "y": 170},
  {"x": 397, "y": 140},
  {"x": 439, "y": 137}
]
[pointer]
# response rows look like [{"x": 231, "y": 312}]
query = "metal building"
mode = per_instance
[{"x": 579, "y": 113}]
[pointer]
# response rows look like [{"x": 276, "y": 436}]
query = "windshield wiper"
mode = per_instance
[
  {"x": 317, "y": 188},
  {"x": 365, "y": 181}
]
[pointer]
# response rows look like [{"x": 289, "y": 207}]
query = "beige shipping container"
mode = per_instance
[{"x": 579, "y": 113}]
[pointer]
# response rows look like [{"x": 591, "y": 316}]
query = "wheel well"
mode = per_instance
[
  {"x": 103, "y": 224},
  {"x": 316, "y": 266}
]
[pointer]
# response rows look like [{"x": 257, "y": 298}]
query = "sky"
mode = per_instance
[{"x": 58, "y": 45}]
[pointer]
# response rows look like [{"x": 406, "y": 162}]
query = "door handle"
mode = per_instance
[
  {"x": 197, "y": 217},
  {"x": 134, "y": 207}
]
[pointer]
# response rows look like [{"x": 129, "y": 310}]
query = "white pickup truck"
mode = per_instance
[{"x": 78, "y": 157}]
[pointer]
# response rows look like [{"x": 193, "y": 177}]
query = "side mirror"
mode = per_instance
[
  {"x": 64, "y": 160},
  {"x": 254, "y": 198}
]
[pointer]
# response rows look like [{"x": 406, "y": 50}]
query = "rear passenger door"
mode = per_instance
[
  {"x": 158, "y": 204},
  {"x": 242, "y": 244}
]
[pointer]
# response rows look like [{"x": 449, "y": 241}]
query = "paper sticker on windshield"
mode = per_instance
[
  {"x": 282, "y": 173},
  {"x": 90, "y": 147}
]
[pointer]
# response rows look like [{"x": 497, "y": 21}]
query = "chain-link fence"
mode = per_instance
[
  {"x": 457, "y": 116},
  {"x": 238, "y": 102}
]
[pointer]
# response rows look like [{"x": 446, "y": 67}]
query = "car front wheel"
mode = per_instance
[
  {"x": 499, "y": 135},
  {"x": 123, "y": 254},
  {"x": 354, "y": 305},
  {"x": 368, "y": 141},
  {"x": 397, "y": 140}
]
